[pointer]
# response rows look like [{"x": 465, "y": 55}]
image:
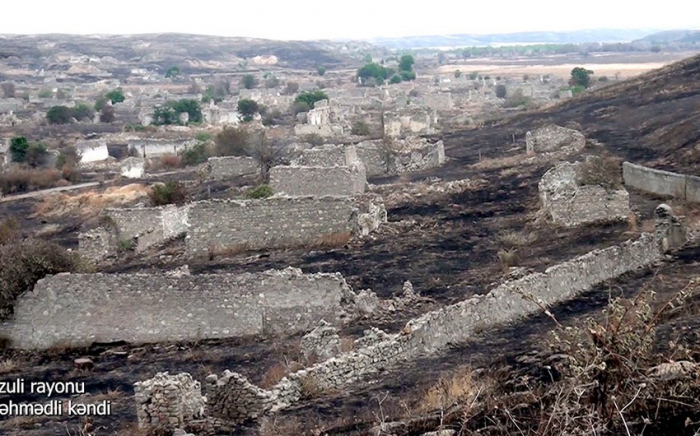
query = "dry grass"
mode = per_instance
[
  {"x": 460, "y": 388},
  {"x": 8, "y": 365},
  {"x": 278, "y": 426},
  {"x": 90, "y": 203},
  {"x": 308, "y": 387},
  {"x": 332, "y": 240},
  {"x": 18, "y": 179},
  {"x": 512, "y": 239},
  {"x": 499, "y": 162},
  {"x": 507, "y": 258},
  {"x": 347, "y": 344}
]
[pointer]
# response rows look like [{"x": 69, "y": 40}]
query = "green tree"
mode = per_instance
[
  {"x": 321, "y": 70},
  {"x": 501, "y": 91},
  {"x": 18, "y": 149},
  {"x": 172, "y": 72},
  {"x": 116, "y": 96},
  {"x": 373, "y": 70},
  {"x": 248, "y": 108},
  {"x": 311, "y": 97},
  {"x": 83, "y": 112},
  {"x": 170, "y": 112},
  {"x": 580, "y": 77},
  {"x": 249, "y": 81},
  {"x": 395, "y": 79},
  {"x": 59, "y": 115},
  {"x": 408, "y": 75},
  {"x": 406, "y": 63}
]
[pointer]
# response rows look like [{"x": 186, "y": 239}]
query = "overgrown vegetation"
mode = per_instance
[
  {"x": 169, "y": 193},
  {"x": 262, "y": 191},
  {"x": 26, "y": 261},
  {"x": 171, "y": 112},
  {"x": 606, "y": 376},
  {"x": 65, "y": 114}
]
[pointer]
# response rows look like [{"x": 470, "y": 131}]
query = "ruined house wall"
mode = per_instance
[
  {"x": 327, "y": 156},
  {"x": 168, "y": 402},
  {"x": 380, "y": 159},
  {"x": 570, "y": 204},
  {"x": 553, "y": 138},
  {"x": 231, "y": 166},
  {"x": 456, "y": 323},
  {"x": 278, "y": 222},
  {"x": 318, "y": 181},
  {"x": 77, "y": 309},
  {"x": 144, "y": 224},
  {"x": 93, "y": 150},
  {"x": 149, "y": 148},
  {"x": 659, "y": 182}
]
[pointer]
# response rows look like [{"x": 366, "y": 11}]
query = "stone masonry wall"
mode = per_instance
[
  {"x": 455, "y": 324},
  {"x": 168, "y": 402},
  {"x": 277, "y": 222},
  {"x": 327, "y": 156},
  {"x": 664, "y": 183},
  {"x": 319, "y": 181},
  {"x": 148, "y": 226},
  {"x": 77, "y": 309},
  {"x": 569, "y": 203},
  {"x": 231, "y": 166}
]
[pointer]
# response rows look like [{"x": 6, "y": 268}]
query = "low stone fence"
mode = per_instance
[
  {"x": 663, "y": 183},
  {"x": 232, "y": 398}
]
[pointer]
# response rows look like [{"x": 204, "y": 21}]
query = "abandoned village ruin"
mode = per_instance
[{"x": 254, "y": 237}]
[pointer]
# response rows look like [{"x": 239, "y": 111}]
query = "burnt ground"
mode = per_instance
[{"x": 446, "y": 245}]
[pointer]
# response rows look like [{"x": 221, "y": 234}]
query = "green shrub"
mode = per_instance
[
  {"x": 395, "y": 79},
  {"x": 194, "y": 155},
  {"x": 170, "y": 193},
  {"x": 232, "y": 141},
  {"x": 262, "y": 191},
  {"x": 360, "y": 128},
  {"x": 311, "y": 97}
]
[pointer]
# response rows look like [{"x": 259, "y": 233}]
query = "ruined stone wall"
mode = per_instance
[
  {"x": 380, "y": 159},
  {"x": 318, "y": 181},
  {"x": 145, "y": 225},
  {"x": 328, "y": 155},
  {"x": 148, "y": 148},
  {"x": 552, "y": 138},
  {"x": 77, "y": 309},
  {"x": 231, "y": 166},
  {"x": 453, "y": 324},
  {"x": 570, "y": 203},
  {"x": 92, "y": 150},
  {"x": 278, "y": 222},
  {"x": 168, "y": 402},
  {"x": 659, "y": 182}
]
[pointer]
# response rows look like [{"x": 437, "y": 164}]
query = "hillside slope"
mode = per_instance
[{"x": 651, "y": 119}]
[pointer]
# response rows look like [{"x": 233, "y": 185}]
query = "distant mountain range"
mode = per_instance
[{"x": 471, "y": 40}]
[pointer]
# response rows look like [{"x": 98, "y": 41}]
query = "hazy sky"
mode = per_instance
[{"x": 325, "y": 19}]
